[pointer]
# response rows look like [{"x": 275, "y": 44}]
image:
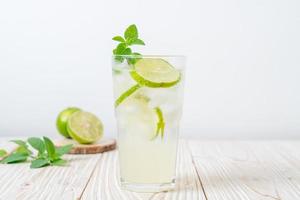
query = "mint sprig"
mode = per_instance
[
  {"x": 47, "y": 153},
  {"x": 131, "y": 37},
  {"x": 22, "y": 148},
  {"x": 37, "y": 144},
  {"x": 3, "y": 153},
  {"x": 15, "y": 157}
]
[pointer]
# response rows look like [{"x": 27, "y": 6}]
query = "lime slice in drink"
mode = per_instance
[
  {"x": 160, "y": 125},
  {"x": 126, "y": 94},
  {"x": 84, "y": 127},
  {"x": 139, "y": 119},
  {"x": 62, "y": 119},
  {"x": 155, "y": 73}
]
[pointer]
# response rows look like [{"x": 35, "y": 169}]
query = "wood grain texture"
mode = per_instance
[
  {"x": 104, "y": 183},
  {"x": 248, "y": 170},
  {"x": 18, "y": 181},
  {"x": 102, "y": 146},
  {"x": 213, "y": 170}
]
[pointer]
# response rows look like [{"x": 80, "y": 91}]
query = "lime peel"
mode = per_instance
[
  {"x": 62, "y": 119},
  {"x": 160, "y": 126},
  {"x": 84, "y": 127},
  {"x": 142, "y": 81},
  {"x": 155, "y": 73},
  {"x": 126, "y": 94}
]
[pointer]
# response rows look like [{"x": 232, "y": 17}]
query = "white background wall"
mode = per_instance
[{"x": 243, "y": 71}]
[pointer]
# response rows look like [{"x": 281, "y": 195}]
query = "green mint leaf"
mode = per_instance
[
  {"x": 3, "y": 153},
  {"x": 121, "y": 49},
  {"x": 50, "y": 148},
  {"x": 119, "y": 39},
  {"x": 137, "y": 55},
  {"x": 15, "y": 158},
  {"x": 131, "y": 38},
  {"x": 133, "y": 60},
  {"x": 22, "y": 148},
  {"x": 131, "y": 32},
  {"x": 40, "y": 162},
  {"x": 136, "y": 42},
  {"x": 59, "y": 162},
  {"x": 119, "y": 59},
  {"x": 20, "y": 142},
  {"x": 37, "y": 144},
  {"x": 63, "y": 150},
  {"x": 127, "y": 51}
]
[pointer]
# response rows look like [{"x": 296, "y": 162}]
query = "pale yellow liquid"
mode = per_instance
[
  {"x": 147, "y": 162},
  {"x": 141, "y": 159}
]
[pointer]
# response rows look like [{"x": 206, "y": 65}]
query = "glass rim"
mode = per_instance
[{"x": 150, "y": 56}]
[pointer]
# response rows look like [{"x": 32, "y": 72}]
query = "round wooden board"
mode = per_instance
[{"x": 101, "y": 146}]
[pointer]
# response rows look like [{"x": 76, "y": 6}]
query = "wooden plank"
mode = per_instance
[
  {"x": 104, "y": 183},
  {"x": 99, "y": 147},
  {"x": 248, "y": 170},
  {"x": 18, "y": 181}
]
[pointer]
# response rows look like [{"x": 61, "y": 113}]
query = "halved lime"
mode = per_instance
[
  {"x": 84, "y": 127},
  {"x": 62, "y": 119},
  {"x": 153, "y": 72}
]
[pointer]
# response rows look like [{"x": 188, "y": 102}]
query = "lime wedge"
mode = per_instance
[
  {"x": 84, "y": 127},
  {"x": 62, "y": 118},
  {"x": 152, "y": 72},
  {"x": 160, "y": 125},
  {"x": 126, "y": 94}
]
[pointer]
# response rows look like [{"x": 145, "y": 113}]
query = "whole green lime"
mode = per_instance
[{"x": 62, "y": 119}]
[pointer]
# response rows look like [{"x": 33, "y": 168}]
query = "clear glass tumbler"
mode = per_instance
[{"x": 148, "y": 94}]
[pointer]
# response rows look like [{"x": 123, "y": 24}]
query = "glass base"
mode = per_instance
[{"x": 148, "y": 187}]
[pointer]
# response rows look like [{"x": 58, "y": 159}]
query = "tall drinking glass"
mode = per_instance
[{"x": 148, "y": 94}]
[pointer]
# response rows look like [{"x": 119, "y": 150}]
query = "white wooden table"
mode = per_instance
[{"x": 213, "y": 170}]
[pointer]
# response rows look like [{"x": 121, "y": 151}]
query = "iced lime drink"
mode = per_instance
[{"x": 148, "y": 94}]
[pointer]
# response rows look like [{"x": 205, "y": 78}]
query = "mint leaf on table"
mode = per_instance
[
  {"x": 59, "y": 151},
  {"x": 59, "y": 162},
  {"x": 2, "y": 153},
  {"x": 47, "y": 155},
  {"x": 20, "y": 143},
  {"x": 37, "y": 144},
  {"x": 50, "y": 148},
  {"x": 40, "y": 162},
  {"x": 54, "y": 153},
  {"x": 15, "y": 158},
  {"x": 23, "y": 147},
  {"x": 123, "y": 48}
]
